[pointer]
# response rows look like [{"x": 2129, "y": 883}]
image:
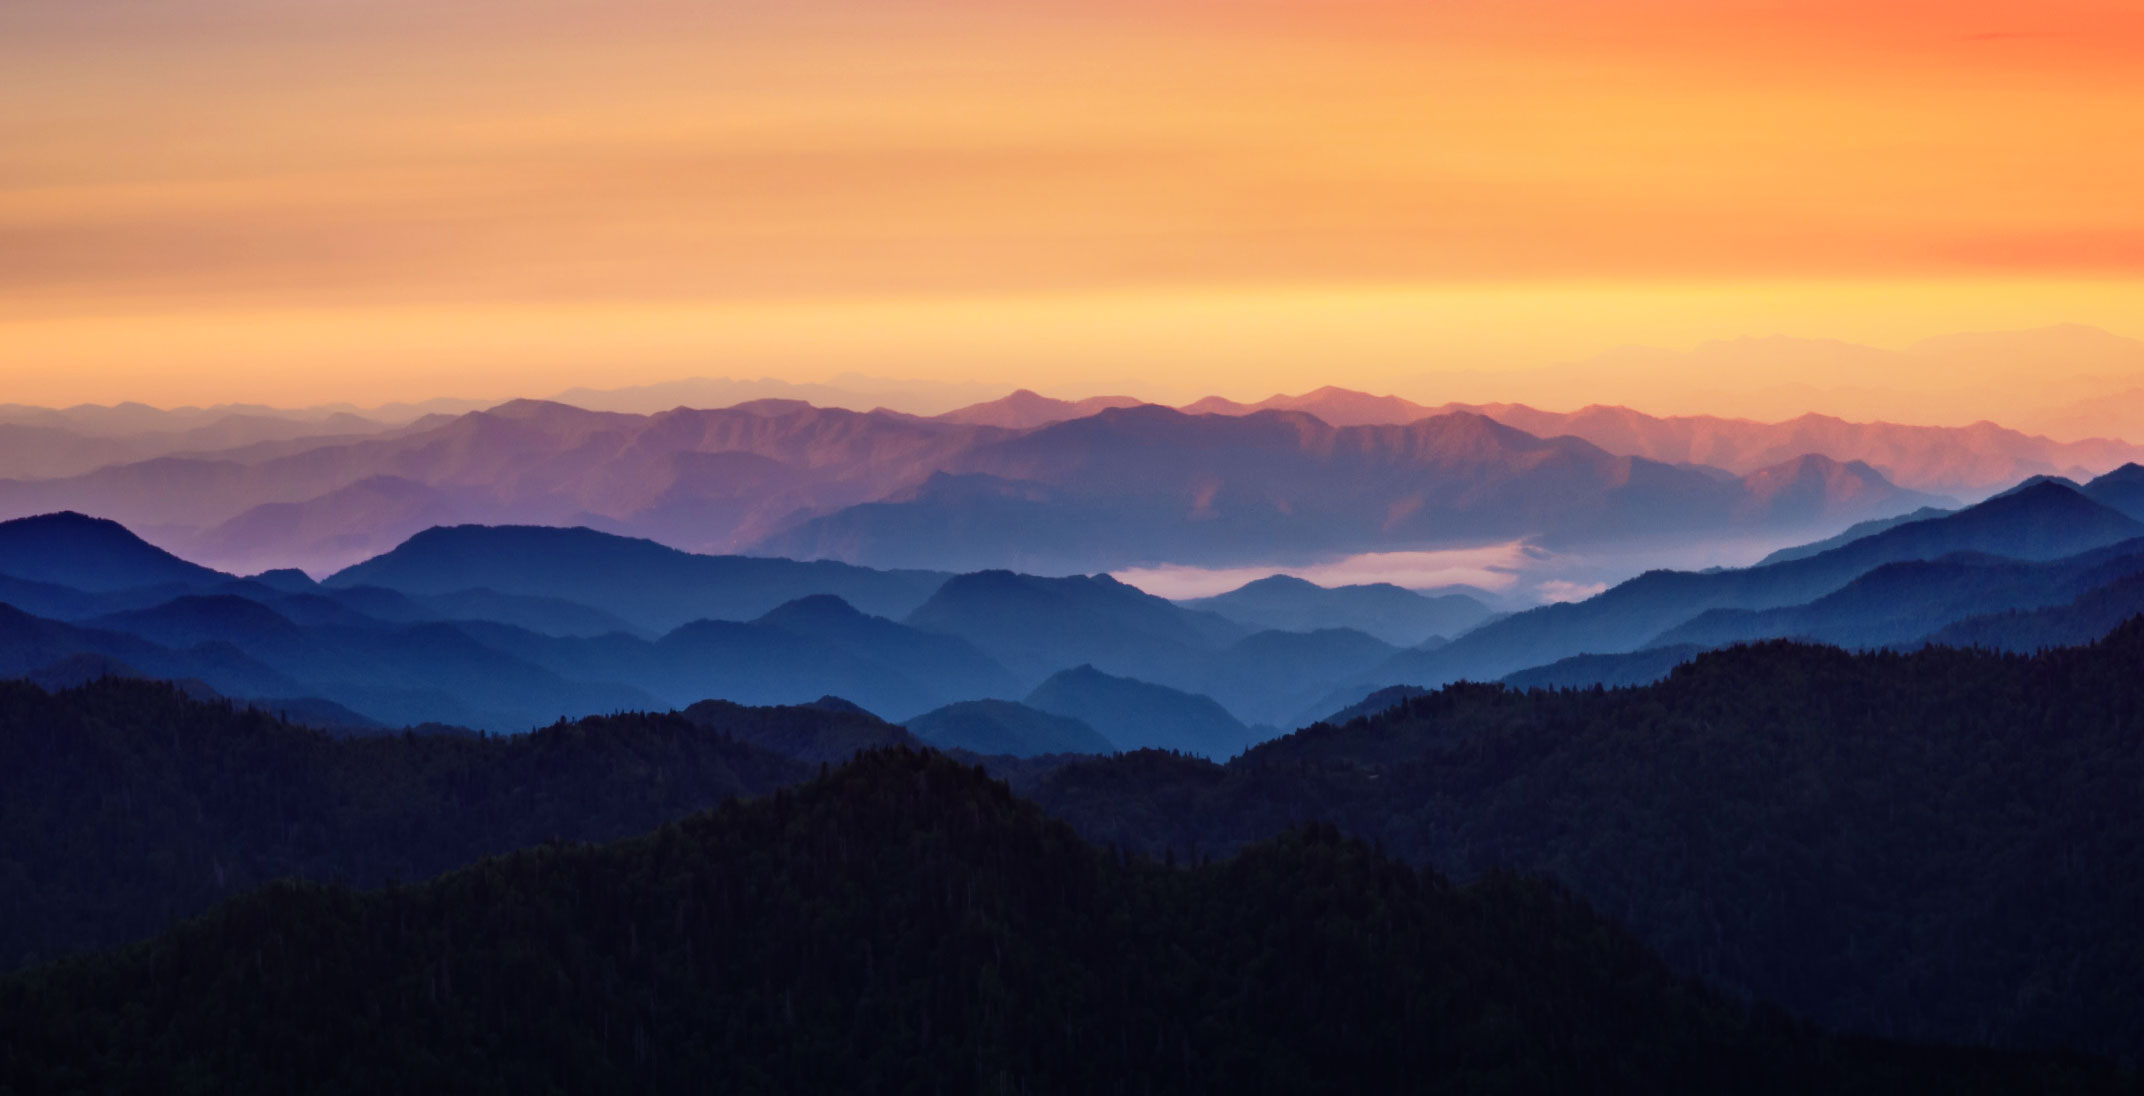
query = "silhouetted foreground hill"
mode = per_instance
[
  {"x": 1944, "y": 844},
  {"x": 90, "y": 554},
  {"x": 905, "y": 924},
  {"x": 123, "y": 804}
]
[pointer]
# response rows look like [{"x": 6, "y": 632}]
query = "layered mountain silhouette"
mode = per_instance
[
  {"x": 638, "y": 580},
  {"x": 1898, "y": 603},
  {"x": 1853, "y": 533},
  {"x": 500, "y": 628},
  {"x": 2043, "y": 521},
  {"x": 1334, "y": 405},
  {"x": 1966, "y": 460},
  {"x": 1147, "y": 484},
  {"x": 698, "y": 479},
  {"x": 1025, "y": 410},
  {"x": 1003, "y": 727},
  {"x": 2121, "y": 489},
  {"x": 1795, "y": 822},
  {"x": 1037, "y": 626},
  {"x": 620, "y": 622},
  {"x": 1133, "y": 713},
  {"x": 1882, "y": 778},
  {"x": 38, "y": 443},
  {"x": 1394, "y": 614},
  {"x": 90, "y": 554},
  {"x": 782, "y": 477},
  {"x": 1270, "y": 677},
  {"x": 1957, "y": 460},
  {"x": 915, "y": 915},
  {"x": 1576, "y": 672},
  {"x": 2091, "y": 614}
]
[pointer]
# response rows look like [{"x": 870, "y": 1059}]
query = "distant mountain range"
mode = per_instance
[
  {"x": 1145, "y": 485},
  {"x": 698, "y": 479},
  {"x": 1964, "y": 460},
  {"x": 1035, "y": 484}
]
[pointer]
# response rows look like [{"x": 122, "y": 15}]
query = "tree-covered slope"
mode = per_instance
[
  {"x": 123, "y": 804},
  {"x": 906, "y": 925},
  {"x": 1943, "y": 844}
]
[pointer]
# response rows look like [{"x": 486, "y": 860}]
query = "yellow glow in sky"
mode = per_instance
[{"x": 206, "y": 200}]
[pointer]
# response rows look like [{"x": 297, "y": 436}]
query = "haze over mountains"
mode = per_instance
[
  {"x": 1024, "y": 482},
  {"x": 878, "y": 488},
  {"x": 506, "y": 627},
  {"x": 948, "y": 548},
  {"x": 1794, "y": 823}
]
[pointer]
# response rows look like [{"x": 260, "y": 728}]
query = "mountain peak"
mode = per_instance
[
  {"x": 774, "y": 407},
  {"x": 1278, "y": 583},
  {"x": 1025, "y": 409},
  {"x": 813, "y": 608},
  {"x": 524, "y": 409},
  {"x": 90, "y": 553},
  {"x": 2039, "y": 492}
]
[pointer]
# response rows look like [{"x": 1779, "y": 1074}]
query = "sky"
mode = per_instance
[{"x": 294, "y": 201}]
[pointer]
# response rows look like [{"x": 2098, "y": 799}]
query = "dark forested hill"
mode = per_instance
[
  {"x": 124, "y": 804},
  {"x": 91, "y": 554},
  {"x": 1944, "y": 844},
  {"x": 906, "y": 925}
]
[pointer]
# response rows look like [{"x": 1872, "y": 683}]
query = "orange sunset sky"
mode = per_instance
[{"x": 307, "y": 200}]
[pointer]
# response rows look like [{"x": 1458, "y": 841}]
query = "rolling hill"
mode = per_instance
[
  {"x": 1822, "y": 829},
  {"x": 941, "y": 934}
]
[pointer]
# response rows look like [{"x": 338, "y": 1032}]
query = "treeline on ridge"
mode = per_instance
[
  {"x": 1942, "y": 844},
  {"x": 124, "y": 804},
  {"x": 906, "y": 924}
]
